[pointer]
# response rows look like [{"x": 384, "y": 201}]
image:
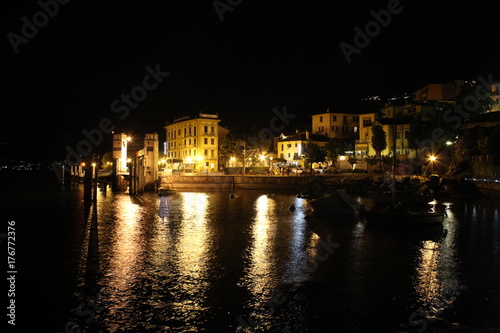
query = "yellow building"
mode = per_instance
[
  {"x": 363, "y": 146},
  {"x": 192, "y": 143},
  {"x": 335, "y": 124},
  {"x": 290, "y": 148}
]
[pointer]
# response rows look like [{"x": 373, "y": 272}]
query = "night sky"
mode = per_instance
[{"x": 261, "y": 56}]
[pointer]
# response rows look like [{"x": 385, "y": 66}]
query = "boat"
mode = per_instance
[
  {"x": 402, "y": 214},
  {"x": 399, "y": 213},
  {"x": 334, "y": 202}
]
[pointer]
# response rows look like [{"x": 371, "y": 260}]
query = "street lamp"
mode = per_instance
[{"x": 432, "y": 159}]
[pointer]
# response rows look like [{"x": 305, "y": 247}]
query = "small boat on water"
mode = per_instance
[
  {"x": 402, "y": 214},
  {"x": 334, "y": 202}
]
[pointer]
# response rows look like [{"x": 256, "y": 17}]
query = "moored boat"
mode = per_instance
[
  {"x": 334, "y": 202},
  {"x": 401, "y": 214}
]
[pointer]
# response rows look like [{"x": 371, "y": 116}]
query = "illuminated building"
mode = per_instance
[
  {"x": 192, "y": 143},
  {"x": 335, "y": 124}
]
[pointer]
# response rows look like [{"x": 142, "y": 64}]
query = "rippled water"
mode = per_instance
[{"x": 202, "y": 262}]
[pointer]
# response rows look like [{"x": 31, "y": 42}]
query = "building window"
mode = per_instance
[
  {"x": 321, "y": 119},
  {"x": 205, "y": 141},
  {"x": 194, "y": 130},
  {"x": 205, "y": 152},
  {"x": 212, "y": 130},
  {"x": 194, "y": 142},
  {"x": 288, "y": 155},
  {"x": 205, "y": 129},
  {"x": 366, "y": 121},
  {"x": 190, "y": 142},
  {"x": 407, "y": 135},
  {"x": 212, "y": 152},
  {"x": 289, "y": 146},
  {"x": 295, "y": 145},
  {"x": 212, "y": 141},
  {"x": 184, "y": 142},
  {"x": 189, "y": 131},
  {"x": 334, "y": 118}
]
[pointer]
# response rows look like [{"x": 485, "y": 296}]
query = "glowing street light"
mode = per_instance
[{"x": 432, "y": 159}]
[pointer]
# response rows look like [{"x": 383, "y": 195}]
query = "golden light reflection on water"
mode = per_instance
[
  {"x": 296, "y": 266},
  {"x": 194, "y": 241},
  {"x": 438, "y": 284},
  {"x": 428, "y": 279},
  {"x": 263, "y": 232},
  {"x": 126, "y": 248}
]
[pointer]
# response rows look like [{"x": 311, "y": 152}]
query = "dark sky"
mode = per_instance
[{"x": 261, "y": 56}]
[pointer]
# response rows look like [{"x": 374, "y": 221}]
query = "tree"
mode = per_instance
[
  {"x": 107, "y": 160},
  {"x": 245, "y": 144},
  {"x": 379, "y": 142},
  {"x": 371, "y": 161},
  {"x": 475, "y": 98},
  {"x": 336, "y": 147},
  {"x": 314, "y": 153}
]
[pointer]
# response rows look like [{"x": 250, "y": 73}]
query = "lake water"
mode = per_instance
[{"x": 203, "y": 262}]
